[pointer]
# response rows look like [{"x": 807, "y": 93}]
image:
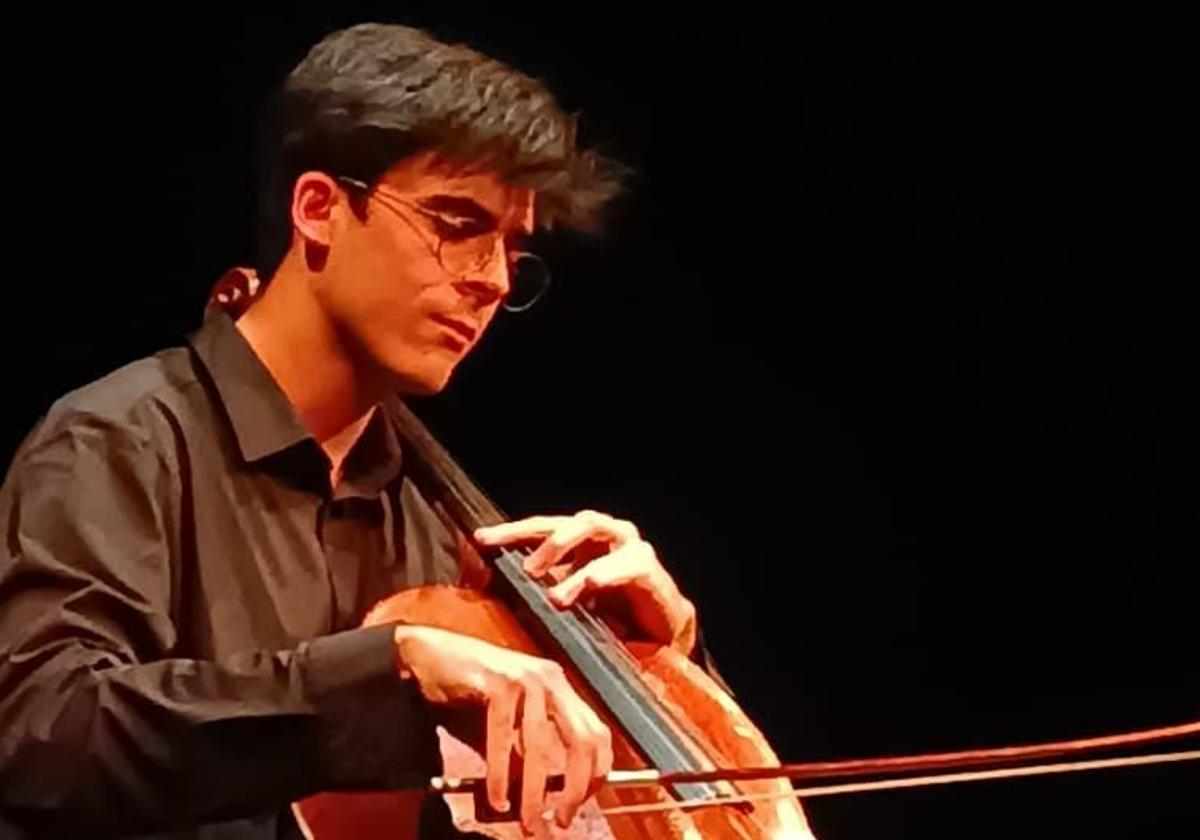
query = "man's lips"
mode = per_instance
[{"x": 463, "y": 328}]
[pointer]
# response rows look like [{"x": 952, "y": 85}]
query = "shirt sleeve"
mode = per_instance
[{"x": 101, "y": 724}]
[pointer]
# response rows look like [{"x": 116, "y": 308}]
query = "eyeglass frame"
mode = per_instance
[{"x": 511, "y": 257}]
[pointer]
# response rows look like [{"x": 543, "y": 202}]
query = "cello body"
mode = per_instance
[{"x": 694, "y": 699}]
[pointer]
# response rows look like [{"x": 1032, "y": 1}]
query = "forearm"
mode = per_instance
[{"x": 134, "y": 747}]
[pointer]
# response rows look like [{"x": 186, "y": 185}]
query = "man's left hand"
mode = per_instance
[{"x": 600, "y": 554}]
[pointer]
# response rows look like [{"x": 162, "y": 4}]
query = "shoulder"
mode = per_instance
[{"x": 135, "y": 407}]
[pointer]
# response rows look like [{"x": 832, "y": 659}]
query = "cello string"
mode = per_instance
[{"x": 922, "y": 781}]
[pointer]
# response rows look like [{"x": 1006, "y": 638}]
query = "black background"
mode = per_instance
[{"x": 888, "y": 349}]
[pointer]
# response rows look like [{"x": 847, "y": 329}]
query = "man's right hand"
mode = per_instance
[{"x": 453, "y": 669}]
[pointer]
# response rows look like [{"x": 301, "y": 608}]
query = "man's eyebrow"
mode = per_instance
[{"x": 462, "y": 207}]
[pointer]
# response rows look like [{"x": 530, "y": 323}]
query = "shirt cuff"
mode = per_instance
[{"x": 372, "y": 730}]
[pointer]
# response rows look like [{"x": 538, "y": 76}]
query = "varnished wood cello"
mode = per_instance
[
  {"x": 709, "y": 772},
  {"x": 712, "y": 772},
  {"x": 665, "y": 711}
]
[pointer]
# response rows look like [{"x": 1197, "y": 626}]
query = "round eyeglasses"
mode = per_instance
[{"x": 466, "y": 254}]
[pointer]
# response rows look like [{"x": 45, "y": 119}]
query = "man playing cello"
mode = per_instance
[{"x": 194, "y": 539}]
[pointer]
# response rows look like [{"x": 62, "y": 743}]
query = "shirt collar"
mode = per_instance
[
  {"x": 265, "y": 423},
  {"x": 376, "y": 457}
]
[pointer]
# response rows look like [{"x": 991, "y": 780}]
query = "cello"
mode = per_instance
[
  {"x": 667, "y": 714},
  {"x": 693, "y": 764}
]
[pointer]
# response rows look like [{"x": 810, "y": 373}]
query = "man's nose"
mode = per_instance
[
  {"x": 488, "y": 284},
  {"x": 486, "y": 290}
]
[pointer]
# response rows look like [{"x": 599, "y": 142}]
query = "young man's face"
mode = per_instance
[{"x": 417, "y": 281}]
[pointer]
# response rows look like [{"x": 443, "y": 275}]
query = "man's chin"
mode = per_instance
[
  {"x": 419, "y": 389},
  {"x": 420, "y": 383}
]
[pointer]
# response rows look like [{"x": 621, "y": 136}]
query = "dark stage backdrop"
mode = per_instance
[{"x": 889, "y": 348}]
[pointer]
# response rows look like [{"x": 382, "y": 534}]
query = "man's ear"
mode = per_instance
[{"x": 314, "y": 196}]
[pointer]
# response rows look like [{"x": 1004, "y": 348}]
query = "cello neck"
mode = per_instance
[{"x": 580, "y": 640}]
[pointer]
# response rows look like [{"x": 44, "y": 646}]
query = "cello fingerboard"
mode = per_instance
[
  {"x": 601, "y": 661},
  {"x": 585, "y": 643}
]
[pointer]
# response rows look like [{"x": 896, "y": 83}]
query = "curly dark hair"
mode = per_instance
[{"x": 368, "y": 96}]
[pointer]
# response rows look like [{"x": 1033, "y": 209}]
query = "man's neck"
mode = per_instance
[{"x": 291, "y": 335}]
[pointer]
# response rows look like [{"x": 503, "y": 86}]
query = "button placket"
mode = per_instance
[{"x": 352, "y": 537}]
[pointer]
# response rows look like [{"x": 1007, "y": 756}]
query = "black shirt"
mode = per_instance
[{"x": 180, "y": 599}]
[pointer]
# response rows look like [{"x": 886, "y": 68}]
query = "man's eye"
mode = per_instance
[{"x": 456, "y": 228}]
